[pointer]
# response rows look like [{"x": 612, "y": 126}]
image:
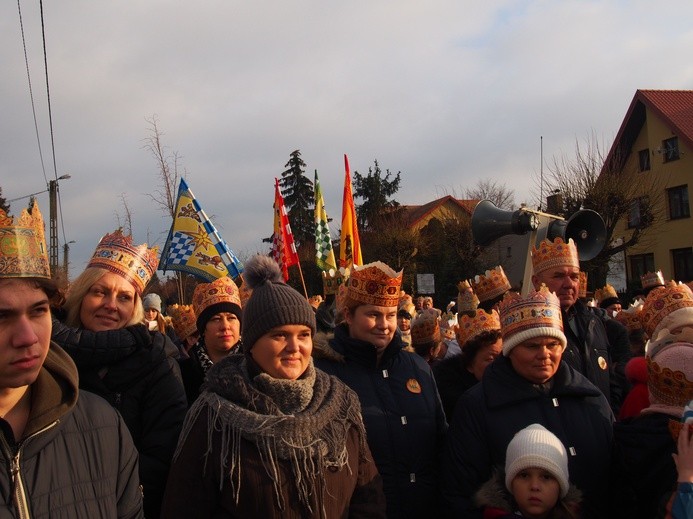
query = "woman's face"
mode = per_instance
[
  {"x": 404, "y": 323},
  {"x": 150, "y": 314},
  {"x": 537, "y": 359},
  {"x": 374, "y": 324},
  {"x": 222, "y": 332},
  {"x": 485, "y": 356},
  {"x": 109, "y": 304},
  {"x": 284, "y": 351}
]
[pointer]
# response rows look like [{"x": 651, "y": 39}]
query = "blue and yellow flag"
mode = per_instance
[{"x": 194, "y": 245}]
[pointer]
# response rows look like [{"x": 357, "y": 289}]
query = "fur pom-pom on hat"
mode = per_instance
[{"x": 260, "y": 270}]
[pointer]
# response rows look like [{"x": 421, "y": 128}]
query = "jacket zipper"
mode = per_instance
[{"x": 18, "y": 490}]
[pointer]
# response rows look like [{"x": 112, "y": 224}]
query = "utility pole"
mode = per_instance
[{"x": 53, "y": 226}]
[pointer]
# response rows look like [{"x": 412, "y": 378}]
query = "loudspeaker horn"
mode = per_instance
[
  {"x": 587, "y": 230},
  {"x": 490, "y": 222}
]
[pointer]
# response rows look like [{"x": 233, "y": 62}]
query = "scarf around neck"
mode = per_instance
[{"x": 303, "y": 423}]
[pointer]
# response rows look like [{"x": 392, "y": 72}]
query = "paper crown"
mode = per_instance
[
  {"x": 467, "y": 300},
  {"x": 23, "y": 250},
  {"x": 374, "y": 284},
  {"x": 630, "y": 317},
  {"x": 536, "y": 315},
  {"x": 606, "y": 296},
  {"x": 448, "y": 325},
  {"x": 554, "y": 254},
  {"x": 332, "y": 279},
  {"x": 469, "y": 327},
  {"x": 667, "y": 307},
  {"x": 183, "y": 319},
  {"x": 221, "y": 290},
  {"x": 652, "y": 279},
  {"x": 116, "y": 253},
  {"x": 491, "y": 285},
  {"x": 425, "y": 327},
  {"x": 315, "y": 301},
  {"x": 582, "y": 286}
]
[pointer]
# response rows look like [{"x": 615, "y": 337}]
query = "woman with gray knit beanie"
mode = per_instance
[{"x": 270, "y": 435}]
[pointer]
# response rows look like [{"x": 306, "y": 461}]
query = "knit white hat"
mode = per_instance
[{"x": 535, "y": 446}]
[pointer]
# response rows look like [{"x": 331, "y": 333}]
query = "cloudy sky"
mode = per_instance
[{"x": 447, "y": 92}]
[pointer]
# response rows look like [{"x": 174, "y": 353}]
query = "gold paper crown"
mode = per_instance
[
  {"x": 332, "y": 279},
  {"x": 116, "y": 253},
  {"x": 425, "y": 327},
  {"x": 448, "y": 325},
  {"x": 582, "y": 287},
  {"x": 554, "y": 254},
  {"x": 520, "y": 316},
  {"x": 183, "y": 319},
  {"x": 221, "y": 290},
  {"x": 607, "y": 292},
  {"x": 630, "y": 317},
  {"x": 667, "y": 386},
  {"x": 668, "y": 307},
  {"x": 652, "y": 279},
  {"x": 467, "y": 300},
  {"x": 470, "y": 327},
  {"x": 374, "y": 284},
  {"x": 315, "y": 301},
  {"x": 489, "y": 286},
  {"x": 23, "y": 250}
]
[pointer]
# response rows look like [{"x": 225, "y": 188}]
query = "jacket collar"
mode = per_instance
[{"x": 363, "y": 352}]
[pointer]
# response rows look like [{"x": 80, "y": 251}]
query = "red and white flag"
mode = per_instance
[{"x": 283, "y": 247}]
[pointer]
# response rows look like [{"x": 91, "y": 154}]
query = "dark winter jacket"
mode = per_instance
[
  {"x": 404, "y": 418},
  {"x": 643, "y": 472},
  {"x": 488, "y": 416},
  {"x": 145, "y": 386},
  {"x": 75, "y": 459},
  {"x": 497, "y": 502},
  {"x": 452, "y": 379}
]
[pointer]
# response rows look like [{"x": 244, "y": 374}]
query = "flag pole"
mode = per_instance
[{"x": 303, "y": 281}]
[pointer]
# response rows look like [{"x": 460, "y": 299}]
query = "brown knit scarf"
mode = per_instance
[{"x": 302, "y": 422}]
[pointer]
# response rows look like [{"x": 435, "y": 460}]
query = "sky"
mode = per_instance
[{"x": 446, "y": 92}]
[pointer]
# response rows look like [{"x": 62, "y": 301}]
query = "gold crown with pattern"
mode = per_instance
[
  {"x": 425, "y": 327},
  {"x": 23, "y": 250},
  {"x": 332, "y": 279},
  {"x": 448, "y": 325},
  {"x": 582, "y": 286},
  {"x": 630, "y": 317},
  {"x": 221, "y": 290},
  {"x": 538, "y": 314},
  {"x": 554, "y": 254},
  {"x": 374, "y": 284},
  {"x": 491, "y": 285},
  {"x": 652, "y": 279},
  {"x": 467, "y": 300},
  {"x": 116, "y": 253},
  {"x": 183, "y": 320},
  {"x": 605, "y": 293},
  {"x": 669, "y": 306},
  {"x": 470, "y": 327}
]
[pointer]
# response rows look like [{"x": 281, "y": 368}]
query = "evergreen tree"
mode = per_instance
[
  {"x": 4, "y": 204},
  {"x": 297, "y": 190},
  {"x": 375, "y": 190}
]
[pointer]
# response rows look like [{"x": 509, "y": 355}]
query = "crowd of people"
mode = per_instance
[{"x": 364, "y": 401}]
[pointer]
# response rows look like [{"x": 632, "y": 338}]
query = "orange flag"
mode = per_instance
[
  {"x": 283, "y": 247},
  {"x": 349, "y": 243}
]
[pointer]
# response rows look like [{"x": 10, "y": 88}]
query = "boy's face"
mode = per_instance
[
  {"x": 25, "y": 332},
  {"x": 536, "y": 492}
]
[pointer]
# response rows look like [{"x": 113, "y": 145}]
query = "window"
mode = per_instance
[
  {"x": 644, "y": 156},
  {"x": 678, "y": 202},
  {"x": 683, "y": 264},
  {"x": 670, "y": 149},
  {"x": 641, "y": 264},
  {"x": 637, "y": 210}
]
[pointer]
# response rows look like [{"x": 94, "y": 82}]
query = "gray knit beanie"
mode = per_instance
[
  {"x": 272, "y": 302},
  {"x": 152, "y": 301}
]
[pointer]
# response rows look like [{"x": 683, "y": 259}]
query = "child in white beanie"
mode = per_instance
[{"x": 536, "y": 483}]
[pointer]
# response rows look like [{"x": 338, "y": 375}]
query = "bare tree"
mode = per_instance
[
  {"x": 125, "y": 221},
  {"x": 489, "y": 189}
]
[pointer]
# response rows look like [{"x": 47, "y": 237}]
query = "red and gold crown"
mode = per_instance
[
  {"x": 554, "y": 254},
  {"x": 467, "y": 300},
  {"x": 221, "y": 290},
  {"x": 183, "y": 320},
  {"x": 582, "y": 286},
  {"x": 137, "y": 264},
  {"x": 23, "y": 250},
  {"x": 605, "y": 293},
  {"x": 470, "y": 327},
  {"x": 536, "y": 315},
  {"x": 495, "y": 283},
  {"x": 425, "y": 327},
  {"x": 652, "y": 279},
  {"x": 374, "y": 284},
  {"x": 630, "y": 317},
  {"x": 667, "y": 307},
  {"x": 332, "y": 279}
]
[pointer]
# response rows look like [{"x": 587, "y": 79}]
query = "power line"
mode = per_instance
[{"x": 48, "y": 91}]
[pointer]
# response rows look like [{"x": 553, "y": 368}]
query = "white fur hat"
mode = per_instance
[{"x": 535, "y": 446}]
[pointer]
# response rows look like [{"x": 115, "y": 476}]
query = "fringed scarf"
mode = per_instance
[{"x": 303, "y": 422}]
